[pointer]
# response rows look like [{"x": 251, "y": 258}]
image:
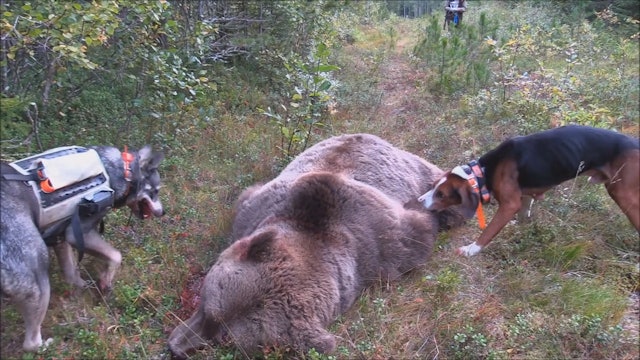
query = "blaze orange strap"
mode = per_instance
[
  {"x": 46, "y": 186},
  {"x": 482, "y": 190},
  {"x": 128, "y": 158},
  {"x": 480, "y": 214}
]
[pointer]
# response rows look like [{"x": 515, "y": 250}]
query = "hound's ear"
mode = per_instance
[{"x": 470, "y": 200}]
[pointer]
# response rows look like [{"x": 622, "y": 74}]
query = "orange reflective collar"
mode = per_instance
[
  {"x": 127, "y": 158},
  {"x": 475, "y": 177},
  {"x": 481, "y": 184}
]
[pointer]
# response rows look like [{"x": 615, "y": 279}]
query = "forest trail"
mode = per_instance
[{"x": 400, "y": 84}]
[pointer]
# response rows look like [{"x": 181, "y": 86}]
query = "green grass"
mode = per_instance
[{"x": 556, "y": 287}]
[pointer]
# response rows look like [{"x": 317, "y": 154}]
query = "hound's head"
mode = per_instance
[{"x": 453, "y": 188}]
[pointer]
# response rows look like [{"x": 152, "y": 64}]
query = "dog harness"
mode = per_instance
[
  {"x": 474, "y": 174},
  {"x": 68, "y": 182}
]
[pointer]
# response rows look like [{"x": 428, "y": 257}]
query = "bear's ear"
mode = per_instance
[
  {"x": 314, "y": 200},
  {"x": 256, "y": 248}
]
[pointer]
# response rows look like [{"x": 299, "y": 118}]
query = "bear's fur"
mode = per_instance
[{"x": 341, "y": 216}]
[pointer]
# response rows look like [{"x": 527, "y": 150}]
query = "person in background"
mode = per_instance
[{"x": 454, "y": 9}]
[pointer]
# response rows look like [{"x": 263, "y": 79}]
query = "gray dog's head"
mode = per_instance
[{"x": 143, "y": 197}]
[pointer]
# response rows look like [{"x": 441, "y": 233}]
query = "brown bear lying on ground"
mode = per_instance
[{"x": 341, "y": 216}]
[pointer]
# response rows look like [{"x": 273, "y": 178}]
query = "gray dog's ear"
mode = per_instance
[
  {"x": 470, "y": 200},
  {"x": 149, "y": 159}
]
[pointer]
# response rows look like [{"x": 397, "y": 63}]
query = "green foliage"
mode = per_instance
[
  {"x": 573, "y": 335},
  {"x": 13, "y": 127},
  {"x": 459, "y": 57},
  {"x": 125, "y": 51},
  {"x": 448, "y": 280},
  {"x": 413, "y": 8},
  {"x": 470, "y": 344},
  {"x": 524, "y": 88},
  {"x": 309, "y": 95},
  {"x": 539, "y": 68},
  {"x": 578, "y": 297},
  {"x": 92, "y": 343},
  {"x": 130, "y": 301},
  {"x": 313, "y": 354},
  {"x": 66, "y": 30}
]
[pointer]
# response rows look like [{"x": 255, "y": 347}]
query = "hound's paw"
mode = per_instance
[{"x": 468, "y": 250}]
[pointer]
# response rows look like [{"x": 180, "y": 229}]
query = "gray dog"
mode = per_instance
[{"x": 39, "y": 210}]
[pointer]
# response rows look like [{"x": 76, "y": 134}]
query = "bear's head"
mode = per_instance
[{"x": 263, "y": 291}]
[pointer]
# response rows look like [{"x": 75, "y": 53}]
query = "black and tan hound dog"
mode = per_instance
[{"x": 531, "y": 165}]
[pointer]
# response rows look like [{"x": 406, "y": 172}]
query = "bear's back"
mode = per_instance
[
  {"x": 368, "y": 159},
  {"x": 361, "y": 157}
]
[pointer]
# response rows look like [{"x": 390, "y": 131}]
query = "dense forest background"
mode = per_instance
[
  {"x": 231, "y": 91},
  {"x": 131, "y": 71}
]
